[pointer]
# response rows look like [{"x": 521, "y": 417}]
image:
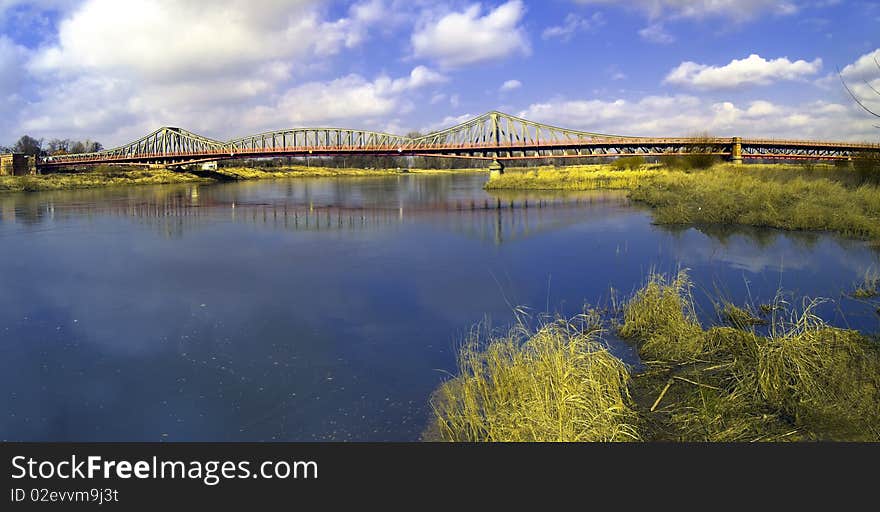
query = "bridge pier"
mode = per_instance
[
  {"x": 17, "y": 164},
  {"x": 736, "y": 153},
  {"x": 496, "y": 169}
]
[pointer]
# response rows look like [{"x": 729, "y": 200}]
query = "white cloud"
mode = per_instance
[
  {"x": 683, "y": 115},
  {"x": 420, "y": 76},
  {"x": 656, "y": 33},
  {"x": 862, "y": 77},
  {"x": 86, "y": 104},
  {"x": 573, "y": 23},
  {"x": 753, "y": 70},
  {"x": 866, "y": 67},
  {"x": 463, "y": 38},
  {"x": 762, "y": 108},
  {"x": 117, "y": 70},
  {"x": 510, "y": 85},
  {"x": 12, "y": 59},
  {"x": 737, "y": 10},
  {"x": 350, "y": 97},
  {"x": 614, "y": 72},
  {"x": 170, "y": 39},
  {"x": 659, "y": 11},
  {"x": 349, "y": 100},
  {"x": 447, "y": 122}
]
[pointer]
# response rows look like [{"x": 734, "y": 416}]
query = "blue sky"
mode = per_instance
[{"x": 113, "y": 70}]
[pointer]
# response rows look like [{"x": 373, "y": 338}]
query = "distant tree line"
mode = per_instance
[{"x": 39, "y": 147}]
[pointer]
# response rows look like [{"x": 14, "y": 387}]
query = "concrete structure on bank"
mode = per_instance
[
  {"x": 736, "y": 151},
  {"x": 496, "y": 169},
  {"x": 16, "y": 164}
]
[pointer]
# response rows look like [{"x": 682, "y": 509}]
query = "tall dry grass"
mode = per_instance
[
  {"x": 803, "y": 379},
  {"x": 786, "y": 197},
  {"x": 556, "y": 384},
  {"x": 99, "y": 178},
  {"x": 797, "y": 379}
]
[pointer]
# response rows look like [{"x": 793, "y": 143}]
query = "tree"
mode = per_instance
[
  {"x": 29, "y": 146},
  {"x": 58, "y": 146},
  {"x": 86, "y": 146},
  {"x": 65, "y": 146},
  {"x": 861, "y": 101}
]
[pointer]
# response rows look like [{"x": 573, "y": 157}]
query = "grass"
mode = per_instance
[
  {"x": 869, "y": 287},
  {"x": 739, "y": 317},
  {"x": 587, "y": 177},
  {"x": 252, "y": 173},
  {"x": 556, "y": 384},
  {"x": 100, "y": 178},
  {"x": 628, "y": 162},
  {"x": 248, "y": 173},
  {"x": 801, "y": 380},
  {"x": 825, "y": 198},
  {"x": 105, "y": 176},
  {"x": 804, "y": 380}
]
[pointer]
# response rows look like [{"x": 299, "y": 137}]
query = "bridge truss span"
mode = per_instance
[
  {"x": 297, "y": 139},
  {"x": 494, "y": 136}
]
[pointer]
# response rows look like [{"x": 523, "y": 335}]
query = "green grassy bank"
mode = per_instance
[
  {"x": 822, "y": 198},
  {"x": 106, "y": 176},
  {"x": 99, "y": 178},
  {"x": 800, "y": 380},
  {"x": 251, "y": 173}
]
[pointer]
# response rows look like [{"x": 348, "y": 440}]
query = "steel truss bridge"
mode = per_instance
[{"x": 492, "y": 136}]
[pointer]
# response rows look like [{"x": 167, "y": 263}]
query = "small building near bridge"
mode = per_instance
[{"x": 16, "y": 164}]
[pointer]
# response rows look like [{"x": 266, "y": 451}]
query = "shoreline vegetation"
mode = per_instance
[
  {"x": 108, "y": 176},
  {"x": 810, "y": 197},
  {"x": 766, "y": 373},
  {"x": 778, "y": 374}
]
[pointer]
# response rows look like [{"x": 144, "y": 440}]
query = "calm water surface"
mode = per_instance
[{"x": 325, "y": 309}]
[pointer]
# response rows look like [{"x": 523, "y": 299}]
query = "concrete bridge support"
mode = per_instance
[
  {"x": 736, "y": 153},
  {"x": 496, "y": 169},
  {"x": 16, "y": 164}
]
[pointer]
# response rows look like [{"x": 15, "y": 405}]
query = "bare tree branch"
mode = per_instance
[{"x": 856, "y": 98}]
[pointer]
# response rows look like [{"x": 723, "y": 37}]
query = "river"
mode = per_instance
[{"x": 328, "y": 309}]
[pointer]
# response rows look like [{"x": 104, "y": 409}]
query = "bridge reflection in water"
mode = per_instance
[
  {"x": 316, "y": 309},
  {"x": 174, "y": 210}
]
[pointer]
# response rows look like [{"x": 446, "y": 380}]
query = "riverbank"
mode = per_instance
[
  {"x": 819, "y": 197},
  {"x": 100, "y": 178},
  {"x": 253, "y": 173},
  {"x": 782, "y": 375},
  {"x": 120, "y": 176}
]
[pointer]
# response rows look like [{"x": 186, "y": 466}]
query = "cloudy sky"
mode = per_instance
[{"x": 113, "y": 70}]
